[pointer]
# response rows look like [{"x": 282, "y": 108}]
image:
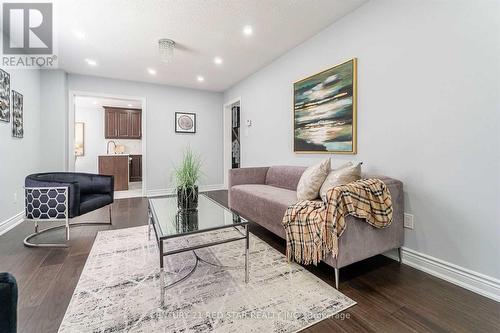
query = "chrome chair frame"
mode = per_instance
[{"x": 61, "y": 214}]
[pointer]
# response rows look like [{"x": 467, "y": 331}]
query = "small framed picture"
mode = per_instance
[
  {"x": 185, "y": 122},
  {"x": 17, "y": 115},
  {"x": 4, "y": 96}
]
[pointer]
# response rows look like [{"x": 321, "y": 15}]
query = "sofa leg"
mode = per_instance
[
  {"x": 337, "y": 273},
  {"x": 400, "y": 255},
  {"x": 110, "y": 219}
]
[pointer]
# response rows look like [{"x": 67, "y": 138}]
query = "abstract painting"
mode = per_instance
[
  {"x": 17, "y": 115},
  {"x": 185, "y": 122},
  {"x": 4, "y": 96},
  {"x": 325, "y": 111}
]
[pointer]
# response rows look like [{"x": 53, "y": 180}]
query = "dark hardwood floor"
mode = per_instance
[{"x": 391, "y": 297}]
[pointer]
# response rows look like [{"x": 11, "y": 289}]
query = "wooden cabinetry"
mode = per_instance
[
  {"x": 135, "y": 124},
  {"x": 120, "y": 123},
  {"x": 116, "y": 166},
  {"x": 135, "y": 168}
]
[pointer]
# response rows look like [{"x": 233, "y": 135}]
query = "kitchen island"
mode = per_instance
[{"x": 116, "y": 165}]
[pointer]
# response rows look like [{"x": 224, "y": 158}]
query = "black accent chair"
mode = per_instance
[
  {"x": 8, "y": 303},
  {"x": 60, "y": 196}
]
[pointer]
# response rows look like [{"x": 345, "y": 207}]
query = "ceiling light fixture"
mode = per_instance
[
  {"x": 248, "y": 30},
  {"x": 200, "y": 78},
  {"x": 218, "y": 60},
  {"x": 166, "y": 48},
  {"x": 79, "y": 34},
  {"x": 91, "y": 62},
  {"x": 129, "y": 105},
  {"x": 152, "y": 71}
]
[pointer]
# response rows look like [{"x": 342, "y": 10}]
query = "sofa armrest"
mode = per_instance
[
  {"x": 73, "y": 191},
  {"x": 8, "y": 301},
  {"x": 103, "y": 184},
  {"x": 247, "y": 176}
]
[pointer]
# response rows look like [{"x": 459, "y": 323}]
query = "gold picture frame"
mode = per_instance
[{"x": 325, "y": 111}]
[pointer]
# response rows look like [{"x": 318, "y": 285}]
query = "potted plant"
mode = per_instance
[{"x": 187, "y": 176}]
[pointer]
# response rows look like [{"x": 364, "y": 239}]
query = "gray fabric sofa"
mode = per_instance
[{"x": 263, "y": 194}]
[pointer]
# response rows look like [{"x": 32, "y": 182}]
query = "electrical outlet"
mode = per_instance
[
  {"x": 408, "y": 221},
  {"x": 15, "y": 197}
]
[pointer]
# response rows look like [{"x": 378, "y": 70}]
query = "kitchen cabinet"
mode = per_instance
[
  {"x": 121, "y": 123},
  {"x": 117, "y": 166},
  {"x": 135, "y": 124},
  {"x": 135, "y": 168}
]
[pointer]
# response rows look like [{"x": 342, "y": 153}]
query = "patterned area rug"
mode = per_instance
[{"x": 119, "y": 289}]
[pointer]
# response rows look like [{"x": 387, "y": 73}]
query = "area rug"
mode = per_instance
[{"x": 119, "y": 288}]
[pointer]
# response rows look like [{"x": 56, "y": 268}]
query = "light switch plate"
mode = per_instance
[{"x": 408, "y": 221}]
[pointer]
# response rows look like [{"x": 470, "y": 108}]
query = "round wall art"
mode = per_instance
[{"x": 185, "y": 122}]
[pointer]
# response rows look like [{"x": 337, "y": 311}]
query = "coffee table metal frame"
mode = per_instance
[{"x": 153, "y": 224}]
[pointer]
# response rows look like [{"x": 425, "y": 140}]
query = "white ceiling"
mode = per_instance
[{"x": 122, "y": 36}]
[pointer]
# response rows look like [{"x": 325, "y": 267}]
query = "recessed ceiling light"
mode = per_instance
[
  {"x": 248, "y": 30},
  {"x": 79, "y": 34},
  {"x": 152, "y": 71},
  {"x": 218, "y": 60},
  {"x": 200, "y": 78},
  {"x": 91, "y": 62},
  {"x": 95, "y": 102},
  {"x": 129, "y": 105}
]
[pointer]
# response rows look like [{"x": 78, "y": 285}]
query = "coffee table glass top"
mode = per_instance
[{"x": 170, "y": 222}]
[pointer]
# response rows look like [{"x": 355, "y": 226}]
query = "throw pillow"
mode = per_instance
[
  {"x": 347, "y": 173},
  {"x": 311, "y": 180}
]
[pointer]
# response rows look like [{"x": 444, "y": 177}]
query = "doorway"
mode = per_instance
[
  {"x": 106, "y": 135},
  {"x": 232, "y": 137}
]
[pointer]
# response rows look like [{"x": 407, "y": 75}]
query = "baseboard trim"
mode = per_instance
[
  {"x": 11, "y": 222},
  {"x": 214, "y": 187},
  {"x": 476, "y": 282},
  {"x": 171, "y": 190}
]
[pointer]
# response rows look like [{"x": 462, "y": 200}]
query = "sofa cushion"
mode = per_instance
[
  {"x": 345, "y": 174},
  {"x": 311, "y": 180},
  {"x": 265, "y": 204},
  {"x": 286, "y": 177}
]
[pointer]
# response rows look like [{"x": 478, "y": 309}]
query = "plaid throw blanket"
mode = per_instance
[{"x": 313, "y": 227}]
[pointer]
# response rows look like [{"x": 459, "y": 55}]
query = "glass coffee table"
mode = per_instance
[{"x": 169, "y": 222}]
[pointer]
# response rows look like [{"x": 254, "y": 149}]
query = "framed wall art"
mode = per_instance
[
  {"x": 185, "y": 122},
  {"x": 4, "y": 96},
  {"x": 324, "y": 118},
  {"x": 17, "y": 115},
  {"x": 79, "y": 139}
]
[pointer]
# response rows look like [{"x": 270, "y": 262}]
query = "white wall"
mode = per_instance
[
  {"x": 164, "y": 146},
  {"x": 53, "y": 106},
  {"x": 95, "y": 143},
  {"x": 428, "y": 111},
  {"x": 19, "y": 157}
]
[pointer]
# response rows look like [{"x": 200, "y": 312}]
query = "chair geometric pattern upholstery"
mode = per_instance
[{"x": 46, "y": 203}]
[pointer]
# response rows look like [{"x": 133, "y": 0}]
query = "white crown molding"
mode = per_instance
[
  {"x": 11, "y": 222},
  {"x": 171, "y": 190},
  {"x": 479, "y": 283}
]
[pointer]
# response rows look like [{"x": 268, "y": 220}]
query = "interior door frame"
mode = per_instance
[
  {"x": 70, "y": 130},
  {"x": 226, "y": 111}
]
